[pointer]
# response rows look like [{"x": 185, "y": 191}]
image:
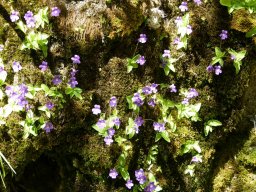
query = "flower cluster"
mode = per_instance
[
  {"x": 216, "y": 69},
  {"x": 183, "y": 7},
  {"x": 109, "y": 138},
  {"x": 72, "y": 81},
  {"x": 138, "y": 122},
  {"x": 30, "y": 19},
  {"x": 224, "y": 34},
  {"x": 140, "y": 176},
  {"x": 16, "y": 95},
  {"x": 57, "y": 79}
]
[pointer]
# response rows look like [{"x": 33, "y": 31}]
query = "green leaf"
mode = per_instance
[
  {"x": 120, "y": 140},
  {"x": 165, "y": 135},
  {"x": 132, "y": 63},
  {"x": 214, "y": 123},
  {"x": 237, "y": 65},
  {"x": 22, "y": 26},
  {"x": 151, "y": 177},
  {"x": 251, "y": 33},
  {"x": 125, "y": 174},
  {"x": 130, "y": 128},
  {"x": 158, "y": 137},
  {"x": 225, "y": 3},
  {"x": 122, "y": 160},
  {"x": 207, "y": 129},
  {"x": 219, "y": 53}
]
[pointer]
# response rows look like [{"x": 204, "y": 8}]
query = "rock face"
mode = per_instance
[{"x": 104, "y": 33}]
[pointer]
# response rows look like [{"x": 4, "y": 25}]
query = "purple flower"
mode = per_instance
[
  {"x": 43, "y": 66},
  {"x": 76, "y": 59},
  {"x": 16, "y": 66},
  {"x": 167, "y": 53},
  {"x": 217, "y": 70},
  {"x": 183, "y": 7},
  {"x": 224, "y": 34},
  {"x": 48, "y": 127},
  {"x": 14, "y": 16},
  {"x": 96, "y": 110},
  {"x": 141, "y": 60},
  {"x": 73, "y": 72},
  {"x": 73, "y": 82},
  {"x": 150, "y": 187},
  {"x": 49, "y": 105},
  {"x": 198, "y": 2},
  {"x": 178, "y": 21},
  {"x": 30, "y": 20},
  {"x": 111, "y": 132},
  {"x": 108, "y": 140},
  {"x": 177, "y": 42},
  {"x": 185, "y": 101},
  {"x": 113, "y": 173},
  {"x": 152, "y": 102},
  {"x": 146, "y": 90},
  {"x": 101, "y": 123},
  {"x": 173, "y": 88},
  {"x": 117, "y": 122},
  {"x": 189, "y": 29},
  {"x": 210, "y": 68},
  {"x": 192, "y": 93},
  {"x": 154, "y": 87},
  {"x": 129, "y": 184},
  {"x": 113, "y": 101},
  {"x": 196, "y": 159},
  {"x": 159, "y": 126},
  {"x": 140, "y": 176},
  {"x": 1, "y": 47},
  {"x": 143, "y": 38},
  {"x": 137, "y": 100},
  {"x": 56, "y": 80},
  {"x": 139, "y": 121},
  {"x": 55, "y": 12}
]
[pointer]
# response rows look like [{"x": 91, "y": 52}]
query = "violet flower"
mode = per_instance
[
  {"x": 137, "y": 100},
  {"x": 166, "y": 53},
  {"x": 96, "y": 110},
  {"x": 141, "y": 60},
  {"x": 14, "y": 16},
  {"x": 72, "y": 82},
  {"x": 129, "y": 184},
  {"x": 217, "y": 69},
  {"x": 49, "y": 105},
  {"x": 108, "y": 140},
  {"x": 183, "y": 7},
  {"x": 113, "y": 173},
  {"x": 178, "y": 21},
  {"x": 210, "y": 68},
  {"x": 224, "y": 34},
  {"x": 152, "y": 102},
  {"x": 56, "y": 80},
  {"x": 189, "y": 30},
  {"x": 198, "y": 2},
  {"x": 43, "y": 66},
  {"x": 117, "y": 122},
  {"x": 16, "y": 66},
  {"x": 150, "y": 187},
  {"x": 173, "y": 88},
  {"x": 48, "y": 127},
  {"x": 143, "y": 38},
  {"x": 113, "y": 101},
  {"x": 30, "y": 20},
  {"x": 101, "y": 123},
  {"x": 140, "y": 176},
  {"x": 159, "y": 126},
  {"x": 76, "y": 59},
  {"x": 55, "y": 12}
]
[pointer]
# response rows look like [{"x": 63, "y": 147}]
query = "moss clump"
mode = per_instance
[{"x": 243, "y": 21}]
